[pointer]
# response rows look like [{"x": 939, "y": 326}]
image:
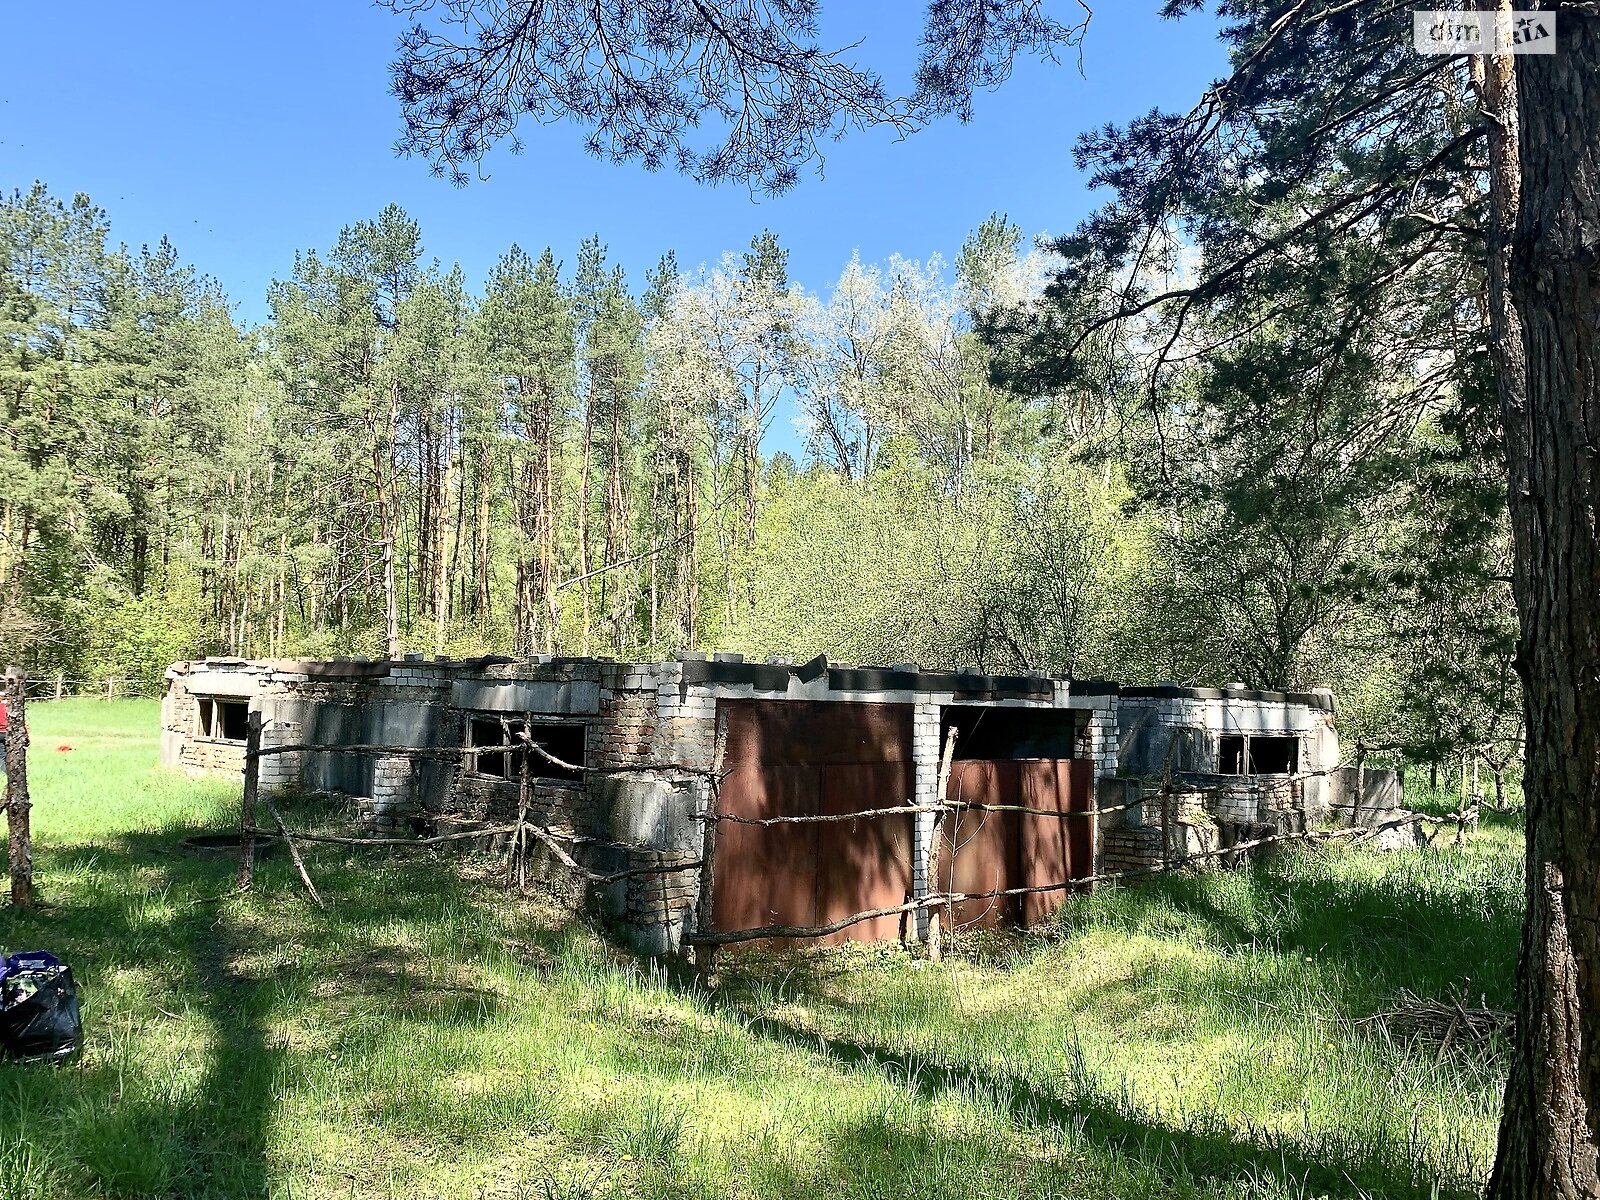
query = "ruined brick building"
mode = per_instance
[{"x": 651, "y": 749}]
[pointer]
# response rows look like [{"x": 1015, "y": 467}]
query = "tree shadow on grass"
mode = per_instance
[
  {"x": 1369, "y": 939},
  {"x": 1416, "y": 928},
  {"x": 130, "y": 917},
  {"x": 183, "y": 987},
  {"x": 1197, "y": 1148}
]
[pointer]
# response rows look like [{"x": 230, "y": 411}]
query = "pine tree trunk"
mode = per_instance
[
  {"x": 456, "y": 601},
  {"x": 280, "y": 620},
  {"x": 655, "y": 572},
  {"x": 617, "y": 518},
  {"x": 388, "y": 518},
  {"x": 1548, "y": 1133},
  {"x": 6, "y": 519},
  {"x": 547, "y": 527},
  {"x": 481, "y": 533},
  {"x": 752, "y": 491},
  {"x": 424, "y": 515},
  {"x": 441, "y": 554},
  {"x": 524, "y": 479},
  {"x": 583, "y": 524}
]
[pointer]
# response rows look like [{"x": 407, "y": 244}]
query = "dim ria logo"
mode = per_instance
[{"x": 1470, "y": 32}]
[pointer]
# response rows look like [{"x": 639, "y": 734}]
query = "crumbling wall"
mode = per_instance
[
  {"x": 652, "y": 791},
  {"x": 649, "y": 743},
  {"x": 186, "y": 686},
  {"x": 1174, "y": 737},
  {"x": 650, "y": 750}
]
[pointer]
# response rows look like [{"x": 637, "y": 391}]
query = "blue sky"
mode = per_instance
[{"x": 248, "y": 131}]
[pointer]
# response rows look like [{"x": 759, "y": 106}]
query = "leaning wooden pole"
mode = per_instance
[
  {"x": 247, "y": 809},
  {"x": 294, "y": 853},
  {"x": 18, "y": 805}
]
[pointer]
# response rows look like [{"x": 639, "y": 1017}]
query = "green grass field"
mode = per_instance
[{"x": 431, "y": 1035}]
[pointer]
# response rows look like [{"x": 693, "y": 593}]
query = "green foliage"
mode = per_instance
[{"x": 556, "y": 465}]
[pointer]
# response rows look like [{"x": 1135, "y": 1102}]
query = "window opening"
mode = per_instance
[
  {"x": 503, "y": 760},
  {"x": 1274, "y": 755},
  {"x": 224, "y": 720}
]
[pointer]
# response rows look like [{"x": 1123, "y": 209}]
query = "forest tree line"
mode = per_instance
[{"x": 568, "y": 461}]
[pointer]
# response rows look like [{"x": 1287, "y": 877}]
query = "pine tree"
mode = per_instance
[{"x": 529, "y": 330}]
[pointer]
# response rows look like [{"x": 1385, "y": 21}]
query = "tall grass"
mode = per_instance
[{"x": 431, "y": 1035}]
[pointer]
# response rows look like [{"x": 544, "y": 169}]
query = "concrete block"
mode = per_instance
[{"x": 526, "y": 696}]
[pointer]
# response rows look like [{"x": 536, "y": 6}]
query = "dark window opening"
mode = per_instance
[
  {"x": 1007, "y": 734},
  {"x": 1274, "y": 755},
  {"x": 224, "y": 720},
  {"x": 503, "y": 759},
  {"x": 1239, "y": 755}
]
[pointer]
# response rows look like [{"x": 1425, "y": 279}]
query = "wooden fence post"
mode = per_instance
[
  {"x": 1361, "y": 781},
  {"x": 936, "y": 845},
  {"x": 18, "y": 805},
  {"x": 61, "y": 683},
  {"x": 247, "y": 810}
]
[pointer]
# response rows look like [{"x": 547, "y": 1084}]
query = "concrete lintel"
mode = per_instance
[
  {"x": 224, "y": 683},
  {"x": 578, "y": 697}
]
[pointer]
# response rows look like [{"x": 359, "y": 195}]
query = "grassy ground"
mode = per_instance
[{"x": 431, "y": 1036}]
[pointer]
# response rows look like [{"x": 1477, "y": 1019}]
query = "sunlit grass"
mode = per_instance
[
  {"x": 92, "y": 768},
  {"x": 430, "y": 1035}
]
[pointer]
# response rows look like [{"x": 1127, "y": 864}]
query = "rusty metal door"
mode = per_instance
[
  {"x": 995, "y": 851},
  {"x": 980, "y": 851},
  {"x": 802, "y": 758},
  {"x": 765, "y": 875},
  {"x": 1054, "y": 849},
  {"x": 864, "y": 864}
]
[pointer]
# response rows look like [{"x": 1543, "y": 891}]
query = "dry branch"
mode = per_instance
[
  {"x": 1418, "y": 1017},
  {"x": 294, "y": 854},
  {"x": 865, "y": 814},
  {"x": 936, "y": 842},
  {"x": 900, "y": 809},
  {"x": 355, "y": 748},
  {"x": 543, "y": 835},
  {"x": 459, "y": 752},
  {"x": 332, "y": 840},
  {"x": 546, "y": 755}
]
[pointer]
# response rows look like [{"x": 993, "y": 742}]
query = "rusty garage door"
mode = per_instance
[
  {"x": 803, "y": 758},
  {"x": 994, "y": 851}
]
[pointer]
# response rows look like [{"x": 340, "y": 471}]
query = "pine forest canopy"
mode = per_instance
[{"x": 564, "y": 462}]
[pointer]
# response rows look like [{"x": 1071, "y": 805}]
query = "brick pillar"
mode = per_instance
[
  {"x": 925, "y": 751},
  {"x": 1101, "y": 743},
  {"x": 281, "y": 772},
  {"x": 1102, "y": 737},
  {"x": 394, "y": 796}
]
